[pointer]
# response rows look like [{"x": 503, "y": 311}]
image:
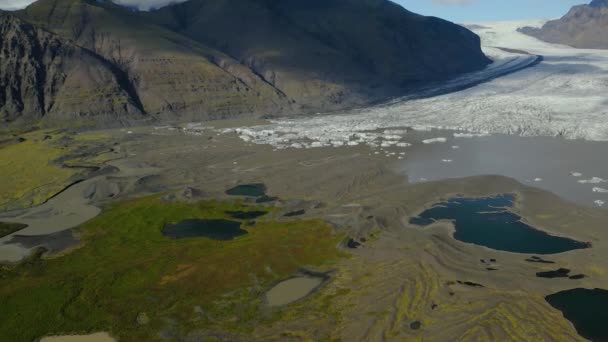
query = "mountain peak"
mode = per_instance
[{"x": 599, "y": 3}]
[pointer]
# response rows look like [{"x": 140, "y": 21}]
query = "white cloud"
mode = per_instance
[
  {"x": 11, "y": 5},
  {"x": 146, "y": 5}
]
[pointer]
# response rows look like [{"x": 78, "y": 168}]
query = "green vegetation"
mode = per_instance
[
  {"x": 28, "y": 176},
  {"x": 126, "y": 267},
  {"x": 9, "y": 228},
  {"x": 31, "y": 169}
]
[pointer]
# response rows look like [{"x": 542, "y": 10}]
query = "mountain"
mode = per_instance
[
  {"x": 205, "y": 59},
  {"x": 41, "y": 73},
  {"x": 584, "y": 26},
  {"x": 172, "y": 76}
]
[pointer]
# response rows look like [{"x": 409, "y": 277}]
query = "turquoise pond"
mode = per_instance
[
  {"x": 488, "y": 222},
  {"x": 586, "y": 309},
  {"x": 249, "y": 190}
]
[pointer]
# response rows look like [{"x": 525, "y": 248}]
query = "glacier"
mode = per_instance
[{"x": 564, "y": 95}]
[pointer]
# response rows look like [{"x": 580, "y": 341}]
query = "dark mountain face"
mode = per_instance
[
  {"x": 584, "y": 26},
  {"x": 44, "y": 75},
  {"x": 206, "y": 59},
  {"x": 350, "y": 47}
]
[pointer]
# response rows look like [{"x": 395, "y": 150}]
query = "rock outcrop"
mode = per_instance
[{"x": 584, "y": 26}]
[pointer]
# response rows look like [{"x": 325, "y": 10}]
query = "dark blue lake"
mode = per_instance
[
  {"x": 488, "y": 222},
  {"x": 586, "y": 309},
  {"x": 212, "y": 229},
  {"x": 250, "y": 190}
]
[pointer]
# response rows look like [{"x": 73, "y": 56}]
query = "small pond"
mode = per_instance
[
  {"x": 586, "y": 309},
  {"x": 291, "y": 290},
  {"x": 213, "y": 229},
  {"x": 245, "y": 215},
  {"x": 488, "y": 222},
  {"x": 249, "y": 190},
  {"x": 9, "y": 228}
]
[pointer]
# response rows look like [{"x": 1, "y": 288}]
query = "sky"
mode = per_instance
[{"x": 461, "y": 11}]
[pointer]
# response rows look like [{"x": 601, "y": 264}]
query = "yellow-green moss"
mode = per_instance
[{"x": 126, "y": 266}]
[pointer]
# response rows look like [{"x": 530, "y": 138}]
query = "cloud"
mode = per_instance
[
  {"x": 144, "y": 5},
  {"x": 454, "y": 2},
  {"x": 11, "y": 5}
]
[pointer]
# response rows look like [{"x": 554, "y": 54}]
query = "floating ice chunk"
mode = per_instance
[
  {"x": 423, "y": 179},
  {"x": 576, "y": 174},
  {"x": 353, "y": 143},
  {"x": 447, "y": 160},
  {"x": 389, "y": 143},
  {"x": 129, "y": 132},
  {"x": 594, "y": 180},
  {"x": 194, "y": 126},
  {"x": 455, "y": 147},
  {"x": 537, "y": 179},
  {"x": 245, "y": 138},
  {"x": 395, "y": 131},
  {"x": 392, "y": 137},
  {"x": 470, "y": 135},
  {"x": 403, "y": 144},
  {"x": 599, "y": 203},
  {"x": 435, "y": 140},
  {"x": 316, "y": 144},
  {"x": 600, "y": 190}
]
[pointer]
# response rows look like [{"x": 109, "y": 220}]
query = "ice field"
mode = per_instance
[{"x": 564, "y": 95}]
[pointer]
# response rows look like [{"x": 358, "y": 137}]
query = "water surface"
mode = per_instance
[
  {"x": 586, "y": 309},
  {"x": 488, "y": 222},
  {"x": 291, "y": 290},
  {"x": 548, "y": 163},
  {"x": 249, "y": 190},
  {"x": 212, "y": 229}
]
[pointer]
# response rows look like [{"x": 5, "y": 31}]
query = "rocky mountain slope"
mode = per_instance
[
  {"x": 329, "y": 50},
  {"x": 584, "y": 26},
  {"x": 42, "y": 74},
  {"x": 220, "y": 58}
]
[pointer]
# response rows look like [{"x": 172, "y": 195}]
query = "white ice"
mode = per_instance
[
  {"x": 594, "y": 180},
  {"x": 435, "y": 140}
]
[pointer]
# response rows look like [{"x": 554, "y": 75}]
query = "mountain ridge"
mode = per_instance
[
  {"x": 584, "y": 26},
  {"x": 205, "y": 59}
]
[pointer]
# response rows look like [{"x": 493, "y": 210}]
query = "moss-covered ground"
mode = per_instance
[
  {"x": 29, "y": 177},
  {"x": 126, "y": 267}
]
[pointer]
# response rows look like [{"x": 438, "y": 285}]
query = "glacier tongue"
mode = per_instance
[{"x": 565, "y": 96}]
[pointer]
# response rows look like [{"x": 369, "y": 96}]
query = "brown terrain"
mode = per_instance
[{"x": 97, "y": 64}]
